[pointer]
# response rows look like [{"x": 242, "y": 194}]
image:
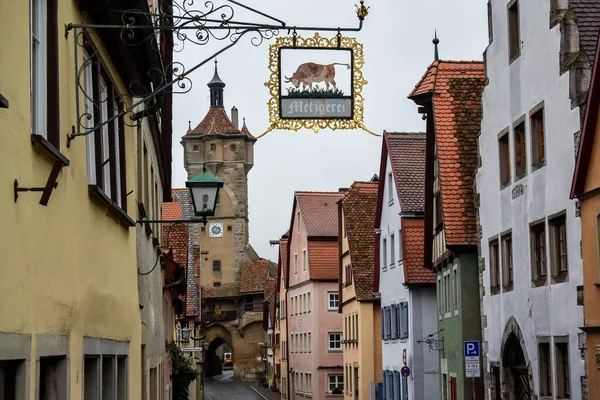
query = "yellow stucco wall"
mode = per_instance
[
  {"x": 68, "y": 268},
  {"x": 367, "y": 353},
  {"x": 590, "y": 236}
]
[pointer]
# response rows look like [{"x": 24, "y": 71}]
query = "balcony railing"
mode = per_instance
[{"x": 211, "y": 316}]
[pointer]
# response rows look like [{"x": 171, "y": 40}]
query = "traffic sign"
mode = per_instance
[
  {"x": 472, "y": 348},
  {"x": 472, "y": 364},
  {"x": 405, "y": 372}
]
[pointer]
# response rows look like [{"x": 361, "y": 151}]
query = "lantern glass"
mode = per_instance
[{"x": 205, "y": 199}]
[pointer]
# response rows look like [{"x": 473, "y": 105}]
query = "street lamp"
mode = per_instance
[{"x": 204, "y": 189}]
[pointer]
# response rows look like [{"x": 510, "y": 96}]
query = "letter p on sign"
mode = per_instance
[{"x": 472, "y": 348}]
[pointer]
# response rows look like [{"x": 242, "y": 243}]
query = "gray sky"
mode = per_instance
[{"x": 397, "y": 45}]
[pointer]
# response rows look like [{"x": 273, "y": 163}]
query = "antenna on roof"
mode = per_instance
[
  {"x": 189, "y": 124},
  {"x": 436, "y": 41}
]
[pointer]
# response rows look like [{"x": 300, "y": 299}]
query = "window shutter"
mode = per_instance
[
  {"x": 404, "y": 388},
  {"x": 391, "y": 383},
  {"x": 382, "y": 324},
  {"x": 398, "y": 322},
  {"x": 384, "y": 385},
  {"x": 396, "y": 385},
  {"x": 393, "y": 319},
  {"x": 404, "y": 319},
  {"x": 387, "y": 323}
]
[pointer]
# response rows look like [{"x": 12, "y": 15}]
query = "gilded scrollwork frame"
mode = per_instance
[{"x": 337, "y": 42}]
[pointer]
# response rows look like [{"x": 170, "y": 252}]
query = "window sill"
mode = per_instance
[
  {"x": 390, "y": 202},
  {"x": 494, "y": 290},
  {"x": 43, "y": 143},
  {"x": 561, "y": 277},
  {"x": 504, "y": 185},
  {"x": 539, "y": 282},
  {"x": 392, "y": 265},
  {"x": 520, "y": 175},
  {"x": 538, "y": 165},
  {"x": 508, "y": 288},
  {"x": 113, "y": 209},
  {"x": 3, "y": 101}
]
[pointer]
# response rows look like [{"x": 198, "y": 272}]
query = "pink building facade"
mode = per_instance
[{"x": 315, "y": 327}]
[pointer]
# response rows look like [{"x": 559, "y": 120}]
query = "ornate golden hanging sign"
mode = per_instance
[{"x": 316, "y": 83}]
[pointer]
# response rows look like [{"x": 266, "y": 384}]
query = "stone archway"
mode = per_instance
[
  {"x": 217, "y": 335},
  {"x": 516, "y": 375}
]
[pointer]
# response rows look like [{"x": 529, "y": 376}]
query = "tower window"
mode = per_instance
[
  {"x": 229, "y": 228},
  {"x": 195, "y": 147},
  {"x": 233, "y": 147},
  {"x": 213, "y": 147},
  {"x": 216, "y": 284}
]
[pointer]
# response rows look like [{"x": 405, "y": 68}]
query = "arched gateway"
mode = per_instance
[{"x": 517, "y": 376}]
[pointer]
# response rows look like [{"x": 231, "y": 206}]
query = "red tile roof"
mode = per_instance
[
  {"x": 583, "y": 162},
  {"x": 319, "y": 212},
  {"x": 323, "y": 260},
  {"x": 254, "y": 275},
  {"x": 407, "y": 157},
  {"x": 587, "y": 13},
  {"x": 456, "y": 88},
  {"x": 413, "y": 230},
  {"x": 359, "y": 205},
  {"x": 269, "y": 291},
  {"x": 216, "y": 122}
]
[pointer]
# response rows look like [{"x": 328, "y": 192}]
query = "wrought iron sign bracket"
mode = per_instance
[
  {"x": 188, "y": 25},
  {"x": 47, "y": 190},
  {"x": 433, "y": 344}
]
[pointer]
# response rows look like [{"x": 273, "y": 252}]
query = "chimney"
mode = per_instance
[{"x": 234, "y": 117}]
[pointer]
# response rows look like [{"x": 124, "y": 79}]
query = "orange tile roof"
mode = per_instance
[
  {"x": 323, "y": 260},
  {"x": 319, "y": 212},
  {"x": 269, "y": 291},
  {"x": 172, "y": 210},
  {"x": 359, "y": 205},
  {"x": 413, "y": 230},
  {"x": 254, "y": 275},
  {"x": 407, "y": 157},
  {"x": 456, "y": 88},
  {"x": 217, "y": 122}
]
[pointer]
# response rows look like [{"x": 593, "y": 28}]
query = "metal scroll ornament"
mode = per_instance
[{"x": 279, "y": 120}]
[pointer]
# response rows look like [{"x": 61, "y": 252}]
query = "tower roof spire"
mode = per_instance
[
  {"x": 436, "y": 41},
  {"x": 216, "y": 81}
]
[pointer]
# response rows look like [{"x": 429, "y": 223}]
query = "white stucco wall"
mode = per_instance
[
  {"x": 513, "y": 91},
  {"x": 422, "y": 307}
]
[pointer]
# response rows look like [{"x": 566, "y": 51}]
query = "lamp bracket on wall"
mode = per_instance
[
  {"x": 203, "y": 220},
  {"x": 51, "y": 184}
]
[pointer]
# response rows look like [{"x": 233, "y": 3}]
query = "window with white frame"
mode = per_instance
[
  {"x": 384, "y": 254},
  {"x": 295, "y": 263},
  {"x": 390, "y": 188},
  {"x": 334, "y": 341},
  {"x": 332, "y": 301},
  {"x": 394, "y": 322},
  {"x": 106, "y": 145},
  {"x": 392, "y": 250},
  {"x": 400, "y": 253},
  {"x": 335, "y": 384},
  {"x": 304, "y": 260},
  {"x": 39, "y": 66}
]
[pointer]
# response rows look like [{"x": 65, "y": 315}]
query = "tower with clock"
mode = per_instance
[{"x": 228, "y": 152}]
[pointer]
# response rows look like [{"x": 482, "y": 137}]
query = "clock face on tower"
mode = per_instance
[{"x": 215, "y": 229}]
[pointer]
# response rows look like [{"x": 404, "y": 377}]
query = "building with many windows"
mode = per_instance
[
  {"x": 281, "y": 341},
  {"x": 538, "y": 65},
  {"x": 359, "y": 307},
  {"x": 314, "y": 326},
  {"x": 76, "y": 329},
  {"x": 406, "y": 288},
  {"x": 449, "y": 96}
]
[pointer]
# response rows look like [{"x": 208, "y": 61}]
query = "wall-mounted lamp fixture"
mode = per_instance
[{"x": 204, "y": 191}]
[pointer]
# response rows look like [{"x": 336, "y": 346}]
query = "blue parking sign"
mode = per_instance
[{"x": 472, "y": 348}]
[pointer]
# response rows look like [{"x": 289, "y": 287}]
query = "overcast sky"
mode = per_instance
[{"x": 397, "y": 38}]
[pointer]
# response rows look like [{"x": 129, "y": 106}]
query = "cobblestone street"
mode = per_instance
[{"x": 224, "y": 387}]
